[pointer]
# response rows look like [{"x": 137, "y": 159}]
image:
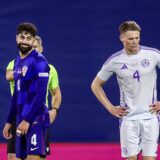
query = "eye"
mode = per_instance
[
  {"x": 21, "y": 37},
  {"x": 29, "y": 38}
]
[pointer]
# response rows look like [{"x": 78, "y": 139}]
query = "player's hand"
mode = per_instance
[
  {"x": 155, "y": 108},
  {"x": 6, "y": 132},
  {"x": 52, "y": 115},
  {"x": 118, "y": 111},
  {"x": 9, "y": 75},
  {"x": 22, "y": 128}
]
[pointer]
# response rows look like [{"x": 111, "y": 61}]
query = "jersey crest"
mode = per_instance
[
  {"x": 145, "y": 63},
  {"x": 24, "y": 70}
]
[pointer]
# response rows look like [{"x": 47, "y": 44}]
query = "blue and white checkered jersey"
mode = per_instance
[
  {"x": 28, "y": 102},
  {"x": 136, "y": 75}
]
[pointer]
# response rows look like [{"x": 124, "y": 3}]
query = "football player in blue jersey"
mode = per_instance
[
  {"x": 53, "y": 87},
  {"x": 31, "y": 72}
]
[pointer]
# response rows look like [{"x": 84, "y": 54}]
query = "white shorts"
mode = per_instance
[{"x": 139, "y": 135}]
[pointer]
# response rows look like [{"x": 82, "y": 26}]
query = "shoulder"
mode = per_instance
[
  {"x": 52, "y": 69},
  {"x": 38, "y": 58},
  {"x": 39, "y": 62},
  {"x": 114, "y": 56},
  {"x": 11, "y": 62},
  {"x": 10, "y": 65},
  {"x": 149, "y": 49}
]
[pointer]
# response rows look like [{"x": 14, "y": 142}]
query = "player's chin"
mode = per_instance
[{"x": 135, "y": 49}]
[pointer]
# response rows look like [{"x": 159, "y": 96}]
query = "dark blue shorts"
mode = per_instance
[{"x": 33, "y": 143}]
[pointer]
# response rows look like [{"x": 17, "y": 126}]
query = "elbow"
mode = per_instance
[
  {"x": 93, "y": 86},
  {"x": 96, "y": 85},
  {"x": 58, "y": 94},
  {"x": 60, "y": 100},
  {"x": 59, "y": 97}
]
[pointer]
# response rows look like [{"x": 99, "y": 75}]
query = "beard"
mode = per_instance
[{"x": 24, "y": 48}]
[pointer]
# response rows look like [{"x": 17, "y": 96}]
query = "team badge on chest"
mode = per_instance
[
  {"x": 145, "y": 63},
  {"x": 24, "y": 70}
]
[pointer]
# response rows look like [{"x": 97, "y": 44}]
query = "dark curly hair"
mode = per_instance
[{"x": 28, "y": 27}]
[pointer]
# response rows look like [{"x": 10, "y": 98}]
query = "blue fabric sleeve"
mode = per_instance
[
  {"x": 13, "y": 108},
  {"x": 37, "y": 105}
]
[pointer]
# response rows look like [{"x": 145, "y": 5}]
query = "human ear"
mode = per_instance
[{"x": 121, "y": 37}]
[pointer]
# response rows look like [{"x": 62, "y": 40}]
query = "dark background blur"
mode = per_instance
[{"x": 78, "y": 36}]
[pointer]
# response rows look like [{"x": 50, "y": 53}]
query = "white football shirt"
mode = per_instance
[{"x": 136, "y": 76}]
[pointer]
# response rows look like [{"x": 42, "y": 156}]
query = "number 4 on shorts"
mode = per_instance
[{"x": 34, "y": 140}]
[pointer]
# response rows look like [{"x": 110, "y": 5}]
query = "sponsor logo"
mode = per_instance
[
  {"x": 47, "y": 149},
  {"x": 33, "y": 149},
  {"x": 124, "y": 67}
]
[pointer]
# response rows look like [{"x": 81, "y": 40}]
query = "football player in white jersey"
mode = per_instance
[{"x": 135, "y": 69}]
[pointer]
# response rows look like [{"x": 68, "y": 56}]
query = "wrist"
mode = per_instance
[
  {"x": 110, "y": 108},
  {"x": 56, "y": 109},
  {"x": 8, "y": 124}
]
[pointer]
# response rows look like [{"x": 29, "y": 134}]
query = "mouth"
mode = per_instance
[
  {"x": 24, "y": 45},
  {"x": 134, "y": 46}
]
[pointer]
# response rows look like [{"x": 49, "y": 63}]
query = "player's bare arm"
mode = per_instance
[
  {"x": 56, "y": 101},
  {"x": 101, "y": 96}
]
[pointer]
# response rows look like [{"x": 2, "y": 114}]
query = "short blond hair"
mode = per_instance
[
  {"x": 39, "y": 40},
  {"x": 129, "y": 26}
]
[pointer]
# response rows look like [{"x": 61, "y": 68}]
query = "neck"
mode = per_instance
[{"x": 131, "y": 52}]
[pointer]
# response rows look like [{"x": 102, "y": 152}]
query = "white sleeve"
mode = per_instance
[
  {"x": 157, "y": 54},
  {"x": 106, "y": 71}
]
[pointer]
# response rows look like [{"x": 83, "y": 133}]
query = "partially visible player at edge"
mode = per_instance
[
  {"x": 53, "y": 87},
  {"x": 31, "y": 74},
  {"x": 135, "y": 69}
]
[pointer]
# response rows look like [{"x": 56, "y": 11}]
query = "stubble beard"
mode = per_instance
[{"x": 24, "y": 50}]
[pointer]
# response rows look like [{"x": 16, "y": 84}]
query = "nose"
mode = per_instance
[
  {"x": 134, "y": 41},
  {"x": 24, "y": 41}
]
